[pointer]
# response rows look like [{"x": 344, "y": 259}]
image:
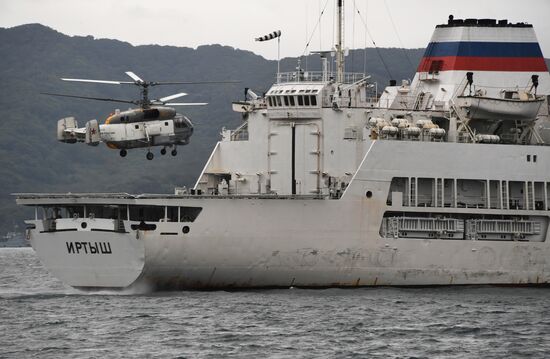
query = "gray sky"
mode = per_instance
[{"x": 236, "y": 23}]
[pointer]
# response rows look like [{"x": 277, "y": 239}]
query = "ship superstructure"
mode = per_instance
[{"x": 445, "y": 180}]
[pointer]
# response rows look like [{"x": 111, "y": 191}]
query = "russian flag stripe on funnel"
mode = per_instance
[
  {"x": 468, "y": 63},
  {"x": 483, "y": 49}
]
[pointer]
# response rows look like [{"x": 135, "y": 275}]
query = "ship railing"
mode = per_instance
[
  {"x": 241, "y": 133},
  {"x": 318, "y": 76}
]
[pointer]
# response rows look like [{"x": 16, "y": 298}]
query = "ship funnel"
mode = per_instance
[{"x": 503, "y": 55}]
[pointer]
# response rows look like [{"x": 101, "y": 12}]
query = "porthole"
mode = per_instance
[
  {"x": 83, "y": 225},
  {"x": 185, "y": 229},
  {"x": 369, "y": 194}
]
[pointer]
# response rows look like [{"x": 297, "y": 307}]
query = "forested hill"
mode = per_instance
[{"x": 34, "y": 57}]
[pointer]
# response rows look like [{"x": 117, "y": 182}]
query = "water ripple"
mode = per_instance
[{"x": 42, "y": 318}]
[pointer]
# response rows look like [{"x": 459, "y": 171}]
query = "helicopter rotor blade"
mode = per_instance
[
  {"x": 187, "y": 104},
  {"x": 90, "y": 98},
  {"x": 171, "y": 97},
  {"x": 135, "y": 77},
  {"x": 193, "y": 82},
  {"x": 98, "y": 81}
]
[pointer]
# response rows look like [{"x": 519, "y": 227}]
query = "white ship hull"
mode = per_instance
[
  {"x": 251, "y": 242},
  {"x": 313, "y": 253},
  {"x": 279, "y": 257}
]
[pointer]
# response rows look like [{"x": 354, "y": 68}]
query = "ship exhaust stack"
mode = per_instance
[{"x": 499, "y": 52}]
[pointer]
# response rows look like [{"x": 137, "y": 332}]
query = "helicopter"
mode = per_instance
[{"x": 153, "y": 123}]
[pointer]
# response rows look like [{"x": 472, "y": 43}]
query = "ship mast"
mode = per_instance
[{"x": 340, "y": 43}]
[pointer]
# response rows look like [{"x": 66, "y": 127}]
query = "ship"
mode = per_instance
[{"x": 442, "y": 180}]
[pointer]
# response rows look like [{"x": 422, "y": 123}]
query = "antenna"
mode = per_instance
[{"x": 340, "y": 42}]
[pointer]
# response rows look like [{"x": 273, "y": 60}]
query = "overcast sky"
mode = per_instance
[{"x": 391, "y": 23}]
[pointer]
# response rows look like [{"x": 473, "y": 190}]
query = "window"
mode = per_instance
[
  {"x": 291, "y": 99},
  {"x": 189, "y": 214},
  {"x": 279, "y": 103},
  {"x": 528, "y": 158},
  {"x": 172, "y": 213},
  {"x": 269, "y": 99},
  {"x": 306, "y": 100},
  {"x": 300, "y": 100},
  {"x": 313, "y": 100},
  {"x": 534, "y": 158},
  {"x": 137, "y": 127},
  {"x": 74, "y": 211},
  {"x": 286, "y": 100},
  {"x": 146, "y": 213},
  {"x": 436, "y": 66},
  {"x": 106, "y": 211}
]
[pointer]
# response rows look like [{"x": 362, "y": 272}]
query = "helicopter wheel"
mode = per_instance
[
  {"x": 150, "y": 156},
  {"x": 163, "y": 151},
  {"x": 174, "y": 152},
  {"x": 123, "y": 153}
]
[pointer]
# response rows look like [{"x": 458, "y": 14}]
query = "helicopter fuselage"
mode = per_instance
[
  {"x": 134, "y": 128},
  {"x": 155, "y": 126}
]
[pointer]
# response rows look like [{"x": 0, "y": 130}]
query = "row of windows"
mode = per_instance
[
  {"x": 292, "y": 101},
  {"x": 137, "y": 213},
  {"x": 469, "y": 193},
  {"x": 275, "y": 92}
]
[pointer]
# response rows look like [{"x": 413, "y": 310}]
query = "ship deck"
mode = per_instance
[{"x": 31, "y": 199}]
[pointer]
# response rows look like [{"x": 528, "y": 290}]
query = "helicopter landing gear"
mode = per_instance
[
  {"x": 123, "y": 153},
  {"x": 150, "y": 156},
  {"x": 174, "y": 152},
  {"x": 163, "y": 151}
]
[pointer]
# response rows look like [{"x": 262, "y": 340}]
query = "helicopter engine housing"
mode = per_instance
[{"x": 142, "y": 114}]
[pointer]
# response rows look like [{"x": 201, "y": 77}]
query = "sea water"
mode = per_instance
[{"x": 42, "y": 318}]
